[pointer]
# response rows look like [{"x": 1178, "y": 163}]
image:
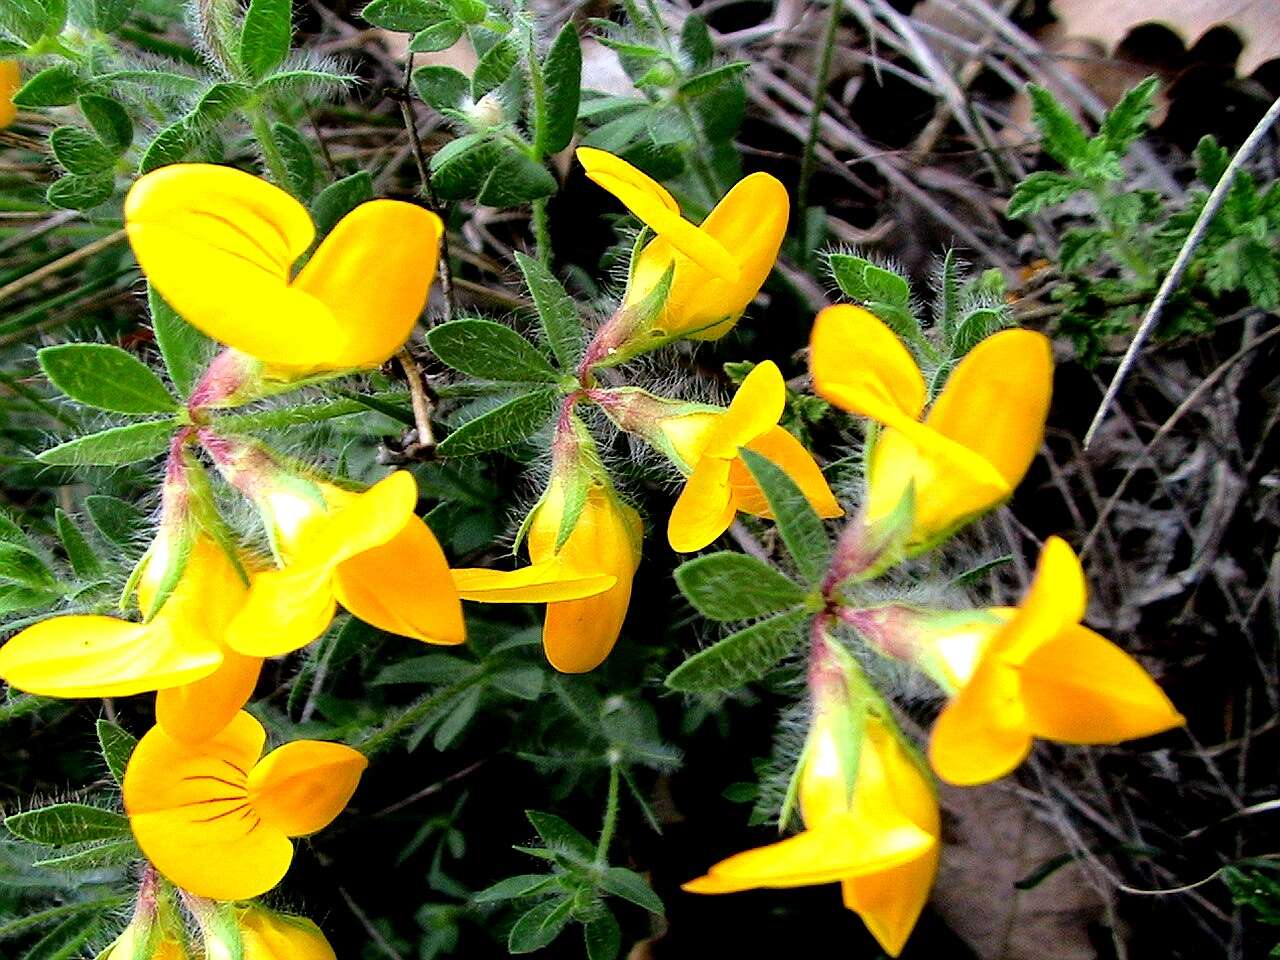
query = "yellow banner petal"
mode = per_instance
[
  {"x": 1055, "y": 602},
  {"x": 861, "y": 366},
  {"x": 300, "y": 787},
  {"x": 755, "y": 409}
]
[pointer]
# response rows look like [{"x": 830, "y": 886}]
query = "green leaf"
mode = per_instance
[
  {"x": 80, "y": 193},
  {"x": 117, "y": 520},
  {"x": 741, "y": 657},
  {"x": 456, "y": 720},
  {"x": 556, "y": 834},
  {"x": 438, "y": 36},
  {"x": 1211, "y": 161},
  {"x": 1080, "y": 247},
  {"x": 340, "y": 198},
  {"x": 266, "y": 36},
  {"x": 109, "y": 119},
  {"x": 734, "y": 586},
  {"x": 299, "y": 163},
  {"x": 539, "y": 926},
  {"x": 105, "y": 377},
  {"x": 83, "y": 560},
  {"x": 494, "y": 67},
  {"x": 109, "y": 854},
  {"x": 80, "y": 151},
  {"x": 56, "y": 86},
  {"x": 556, "y": 310},
  {"x": 185, "y": 350},
  {"x": 116, "y": 745},
  {"x": 66, "y": 823},
  {"x": 515, "y": 179},
  {"x": 173, "y": 142},
  {"x": 113, "y": 447},
  {"x": 513, "y": 888},
  {"x": 473, "y": 12},
  {"x": 28, "y": 20},
  {"x": 695, "y": 42},
  {"x": 629, "y": 885},
  {"x": 66, "y": 940},
  {"x": 110, "y": 15},
  {"x": 602, "y": 936},
  {"x": 562, "y": 72},
  {"x": 490, "y": 351},
  {"x": 1040, "y": 190},
  {"x": 514, "y": 421},
  {"x": 713, "y": 80},
  {"x": 1064, "y": 139},
  {"x": 441, "y": 87},
  {"x": 403, "y": 16},
  {"x": 799, "y": 526},
  {"x": 22, "y": 566},
  {"x": 1125, "y": 121}
]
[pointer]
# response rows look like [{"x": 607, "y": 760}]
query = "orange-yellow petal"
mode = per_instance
[
  {"x": 996, "y": 401},
  {"x": 286, "y": 610},
  {"x": 788, "y": 453},
  {"x": 861, "y": 366},
  {"x": 300, "y": 787},
  {"x": 404, "y": 587},
  {"x": 189, "y": 809},
  {"x": 981, "y": 734},
  {"x": 704, "y": 509},
  {"x": 266, "y": 935},
  {"x": 1082, "y": 688},
  {"x": 10, "y": 81},
  {"x": 655, "y": 207},
  {"x": 544, "y": 582},
  {"x": 373, "y": 272},
  {"x": 197, "y": 711}
]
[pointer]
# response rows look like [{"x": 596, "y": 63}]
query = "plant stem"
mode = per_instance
[
  {"x": 267, "y": 140},
  {"x": 415, "y": 714},
  {"x": 610, "y": 815},
  {"x": 819, "y": 100},
  {"x": 541, "y": 232}
]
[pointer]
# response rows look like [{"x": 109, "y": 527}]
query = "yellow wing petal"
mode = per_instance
[
  {"x": 219, "y": 245},
  {"x": 796, "y": 462},
  {"x": 1082, "y": 688},
  {"x": 196, "y": 711},
  {"x": 300, "y": 787},
  {"x": 373, "y": 271},
  {"x": 981, "y": 734},
  {"x": 861, "y": 366},
  {"x": 544, "y": 582},
  {"x": 189, "y": 809},
  {"x": 404, "y": 587},
  {"x": 704, "y": 509},
  {"x": 996, "y": 401},
  {"x": 286, "y": 610},
  {"x": 655, "y": 207}
]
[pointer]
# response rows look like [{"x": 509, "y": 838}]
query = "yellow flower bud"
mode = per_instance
[{"x": 10, "y": 81}]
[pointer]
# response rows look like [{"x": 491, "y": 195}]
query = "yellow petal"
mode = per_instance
[
  {"x": 189, "y": 809},
  {"x": 1055, "y": 602},
  {"x": 1082, "y": 688},
  {"x": 981, "y": 734},
  {"x": 404, "y": 587},
  {"x": 861, "y": 366},
  {"x": 655, "y": 207},
  {"x": 756, "y": 408},
  {"x": 300, "y": 787},
  {"x": 951, "y": 483},
  {"x": 788, "y": 453},
  {"x": 94, "y": 656},
  {"x": 197, "y": 711},
  {"x": 841, "y": 848},
  {"x": 244, "y": 234},
  {"x": 996, "y": 401},
  {"x": 688, "y": 436},
  {"x": 362, "y": 522},
  {"x": 286, "y": 610},
  {"x": 890, "y": 902},
  {"x": 10, "y": 81},
  {"x": 276, "y": 936},
  {"x": 577, "y": 635},
  {"x": 543, "y": 582},
  {"x": 704, "y": 509},
  {"x": 373, "y": 272}
]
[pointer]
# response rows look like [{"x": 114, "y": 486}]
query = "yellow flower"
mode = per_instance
[
  {"x": 878, "y": 840},
  {"x": 216, "y": 819},
  {"x": 265, "y": 935},
  {"x": 586, "y": 584},
  {"x": 368, "y": 551},
  {"x": 1039, "y": 673},
  {"x": 180, "y": 651},
  {"x": 719, "y": 266},
  {"x": 10, "y": 81},
  {"x": 976, "y": 442},
  {"x": 719, "y": 484},
  {"x": 221, "y": 245}
]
